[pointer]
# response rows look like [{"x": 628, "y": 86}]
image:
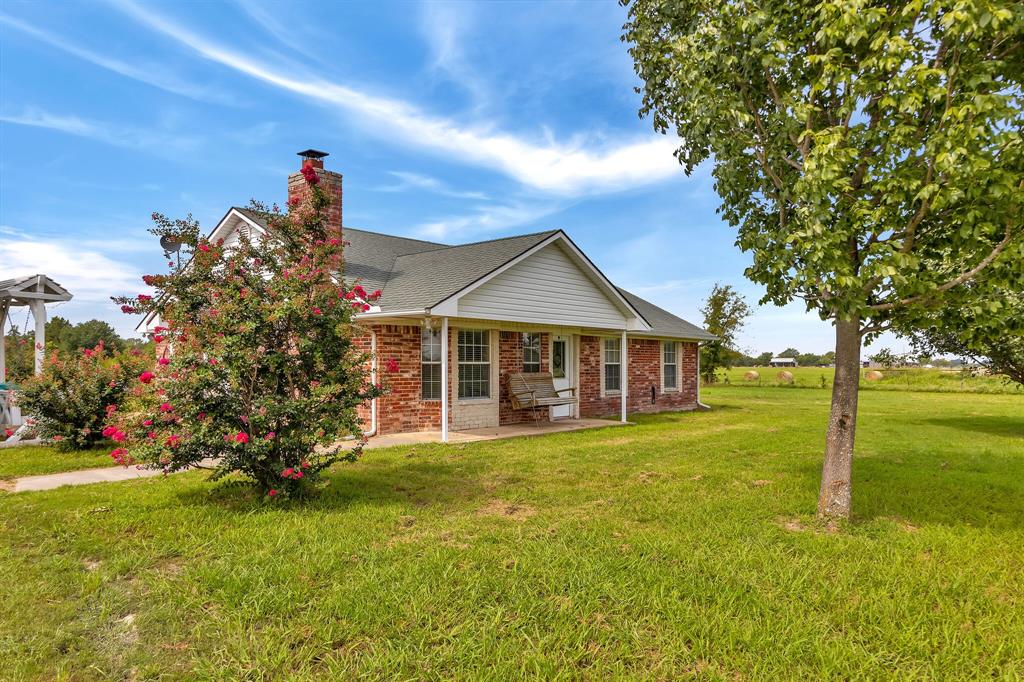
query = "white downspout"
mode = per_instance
[
  {"x": 699, "y": 403},
  {"x": 373, "y": 380},
  {"x": 444, "y": 379},
  {"x": 624, "y": 379}
]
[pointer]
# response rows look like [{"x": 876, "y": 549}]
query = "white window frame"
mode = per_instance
[
  {"x": 674, "y": 345},
  {"x": 605, "y": 363},
  {"x": 536, "y": 346},
  {"x": 462, "y": 363},
  {"x": 432, "y": 337}
]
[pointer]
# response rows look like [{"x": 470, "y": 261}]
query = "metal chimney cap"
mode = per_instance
[{"x": 313, "y": 154}]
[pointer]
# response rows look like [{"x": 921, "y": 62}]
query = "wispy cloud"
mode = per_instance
[
  {"x": 121, "y": 136},
  {"x": 582, "y": 165},
  {"x": 152, "y": 74},
  {"x": 442, "y": 26},
  {"x": 488, "y": 218},
  {"x": 412, "y": 181},
  {"x": 91, "y": 276}
]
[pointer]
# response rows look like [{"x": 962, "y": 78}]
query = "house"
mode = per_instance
[
  {"x": 459, "y": 318},
  {"x": 782, "y": 362}
]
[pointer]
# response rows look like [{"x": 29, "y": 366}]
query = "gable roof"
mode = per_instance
[
  {"x": 415, "y": 275},
  {"x": 19, "y": 290}
]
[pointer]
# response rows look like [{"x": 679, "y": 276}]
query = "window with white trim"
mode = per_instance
[
  {"x": 531, "y": 352},
  {"x": 612, "y": 365},
  {"x": 430, "y": 364},
  {"x": 474, "y": 363},
  {"x": 669, "y": 366}
]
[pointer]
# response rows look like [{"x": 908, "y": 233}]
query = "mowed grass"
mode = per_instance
[
  {"x": 896, "y": 379},
  {"x": 33, "y": 460},
  {"x": 684, "y": 547}
]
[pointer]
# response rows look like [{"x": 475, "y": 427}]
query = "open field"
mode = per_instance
[
  {"x": 32, "y": 460},
  {"x": 938, "y": 380},
  {"x": 684, "y": 547}
]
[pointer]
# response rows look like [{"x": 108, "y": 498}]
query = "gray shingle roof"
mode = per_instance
[{"x": 413, "y": 274}]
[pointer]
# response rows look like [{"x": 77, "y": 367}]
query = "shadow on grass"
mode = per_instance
[
  {"x": 419, "y": 483},
  {"x": 991, "y": 425}
]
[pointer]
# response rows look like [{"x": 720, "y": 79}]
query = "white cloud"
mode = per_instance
[
  {"x": 156, "y": 75},
  {"x": 412, "y": 181},
  {"x": 120, "y": 136},
  {"x": 91, "y": 276},
  {"x": 579, "y": 166},
  {"x": 485, "y": 219}
]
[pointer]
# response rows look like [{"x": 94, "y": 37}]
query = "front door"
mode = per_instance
[{"x": 562, "y": 371}]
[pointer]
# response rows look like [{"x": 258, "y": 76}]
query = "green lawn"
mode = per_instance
[
  {"x": 684, "y": 547},
  {"x": 30, "y": 460},
  {"x": 897, "y": 379}
]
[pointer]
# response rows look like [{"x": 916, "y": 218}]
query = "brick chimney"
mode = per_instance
[{"x": 330, "y": 182}]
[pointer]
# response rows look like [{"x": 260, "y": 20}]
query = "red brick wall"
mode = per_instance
[
  {"x": 644, "y": 359},
  {"x": 510, "y": 360},
  {"x": 330, "y": 182},
  {"x": 402, "y": 410}
]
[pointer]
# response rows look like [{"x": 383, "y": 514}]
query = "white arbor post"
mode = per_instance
[
  {"x": 38, "y": 307},
  {"x": 624, "y": 380},
  {"x": 3, "y": 340},
  {"x": 444, "y": 380}
]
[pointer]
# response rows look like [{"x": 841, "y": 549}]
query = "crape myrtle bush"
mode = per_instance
[
  {"x": 68, "y": 402},
  {"x": 261, "y": 369}
]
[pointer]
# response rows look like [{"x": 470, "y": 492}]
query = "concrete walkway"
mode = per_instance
[{"x": 110, "y": 474}]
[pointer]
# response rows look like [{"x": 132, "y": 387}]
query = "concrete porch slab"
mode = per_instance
[{"x": 491, "y": 433}]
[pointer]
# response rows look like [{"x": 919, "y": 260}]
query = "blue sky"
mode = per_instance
[{"x": 453, "y": 122}]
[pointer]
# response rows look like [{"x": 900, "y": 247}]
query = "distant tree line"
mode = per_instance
[{"x": 61, "y": 336}]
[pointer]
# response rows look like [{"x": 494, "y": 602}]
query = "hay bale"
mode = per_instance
[
  {"x": 784, "y": 377},
  {"x": 751, "y": 376},
  {"x": 873, "y": 375}
]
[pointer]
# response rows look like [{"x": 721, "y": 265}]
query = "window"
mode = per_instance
[
  {"x": 558, "y": 359},
  {"x": 669, "y": 367},
  {"x": 612, "y": 365},
  {"x": 430, "y": 364},
  {"x": 474, "y": 364},
  {"x": 531, "y": 352}
]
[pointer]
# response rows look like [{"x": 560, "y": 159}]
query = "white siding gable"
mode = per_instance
[{"x": 546, "y": 287}]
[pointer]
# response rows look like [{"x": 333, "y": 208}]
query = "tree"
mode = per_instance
[
  {"x": 764, "y": 358},
  {"x": 886, "y": 358},
  {"x": 808, "y": 359},
  {"x": 725, "y": 312},
  {"x": 73, "y": 338},
  {"x": 869, "y": 155},
  {"x": 266, "y": 374},
  {"x": 992, "y": 339},
  {"x": 789, "y": 353}
]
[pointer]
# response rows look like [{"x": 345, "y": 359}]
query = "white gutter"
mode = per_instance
[{"x": 373, "y": 380}]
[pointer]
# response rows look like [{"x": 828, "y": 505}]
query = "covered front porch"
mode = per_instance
[{"x": 491, "y": 432}]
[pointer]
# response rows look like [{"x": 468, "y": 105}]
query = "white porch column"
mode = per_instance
[
  {"x": 444, "y": 380},
  {"x": 39, "y": 315},
  {"x": 624, "y": 388}
]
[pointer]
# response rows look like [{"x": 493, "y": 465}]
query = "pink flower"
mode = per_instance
[
  {"x": 143, "y": 298},
  {"x": 172, "y": 441},
  {"x": 111, "y": 409},
  {"x": 127, "y": 309},
  {"x": 146, "y": 377},
  {"x": 298, "y": 474},
  {"x": 334, "y": 241},
  {"x": 310, "y": 174},
  {"x": 272, "y": 493},
  {"x": 366, "y": 307},
  {"x": 213, "y": 361},
  {"x": 112, "y": 384},
  {"x": 205, "y": 248},
  {"x": 151, "y": 435},
  {"x": 120, "y": 455},
  {"x": 163, "y": 361},
  {"x": 317, "y": 311},
  {"x": 391, "y": 365},
  {"x": 287, "y": 473},
  {"x": 375, "y": 294},
  {"x": 158, "y": 338},
  {"x": 269, "y": 436},
  {"x": 109, "y": 431},
  {"x": 166, "y": 407},
  {"x": 241, "y": 437},
  {"x": 359, "y": 291},
  {"x": 305, "y": 464},
  {"x": 118, "y": 436},
  {"x": 148, "y": 422}
]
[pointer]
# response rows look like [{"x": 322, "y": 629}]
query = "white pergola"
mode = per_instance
[{"x": 34, "y": 291}]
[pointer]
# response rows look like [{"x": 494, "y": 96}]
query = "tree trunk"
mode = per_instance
[{"x": 836, "y": 484}]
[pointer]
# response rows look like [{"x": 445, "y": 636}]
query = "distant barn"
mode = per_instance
[{"x": 782, "y": 362}]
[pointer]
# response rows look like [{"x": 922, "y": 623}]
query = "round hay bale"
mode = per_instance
[
  {"x": 751, "y": 376},
  {"x": 873, "y": 375},
  {"x": 784, "y": 377}
]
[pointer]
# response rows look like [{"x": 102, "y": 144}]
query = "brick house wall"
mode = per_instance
[
  {"x": 510, "y": 361},
  {"x": 644, "y": 371}
]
